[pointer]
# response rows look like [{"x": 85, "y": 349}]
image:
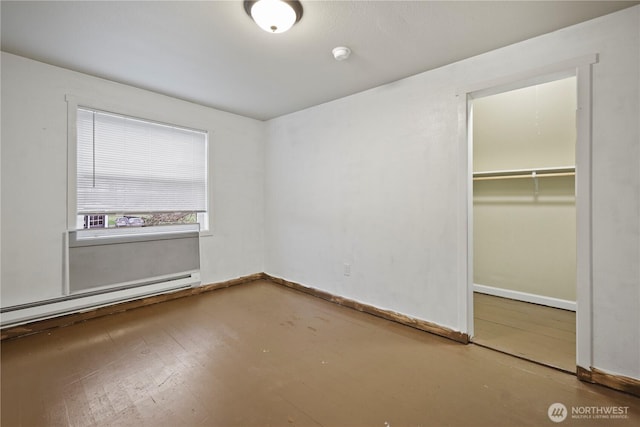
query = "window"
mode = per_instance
[
  {"x": 94, "y": 221},
  {"x": 138, "y": 173}
]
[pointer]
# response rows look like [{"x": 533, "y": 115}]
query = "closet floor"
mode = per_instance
[{"x": 534, "y": 332}]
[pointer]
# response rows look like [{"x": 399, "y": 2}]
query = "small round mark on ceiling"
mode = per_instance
[{"x": 341, "y": 53}]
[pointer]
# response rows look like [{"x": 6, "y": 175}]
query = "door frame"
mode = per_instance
[{"x": 581, "y": 68}]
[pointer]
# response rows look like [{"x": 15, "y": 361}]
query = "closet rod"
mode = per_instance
[
  {"x": 543, "y": 175},
  {"x": 525, "y": 173}
]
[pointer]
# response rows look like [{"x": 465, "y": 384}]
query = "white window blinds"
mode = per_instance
[{"x": 128, "y": 165}]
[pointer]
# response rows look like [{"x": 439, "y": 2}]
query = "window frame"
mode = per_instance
[{"x": 73, "y": 103}]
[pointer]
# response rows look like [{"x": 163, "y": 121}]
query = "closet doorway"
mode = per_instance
[{"x": 524, "y": 222}]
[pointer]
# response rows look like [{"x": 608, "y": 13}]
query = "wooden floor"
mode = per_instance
[
  {"x": 535, "y": 332},
  {"x": 260, "y": 354}
]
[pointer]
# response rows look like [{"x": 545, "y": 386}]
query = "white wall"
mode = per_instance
[
  {"x": 372, "y": 180},
  {"x": 532, "y": 127},
  {"x": 34, "y": 176}
]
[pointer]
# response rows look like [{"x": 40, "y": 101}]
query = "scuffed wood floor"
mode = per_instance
[
  {"x": 542, "y": 334},
  {"x": 261, "y": 354}
]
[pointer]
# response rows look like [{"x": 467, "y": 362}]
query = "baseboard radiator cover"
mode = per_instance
[
  {"x": 109, "y": 270},
  {"x": 25, "y": 313},
  {"x": 76, "y": 315}
]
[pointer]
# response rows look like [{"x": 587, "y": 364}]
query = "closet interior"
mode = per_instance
[{"x": 524, "y": 227}]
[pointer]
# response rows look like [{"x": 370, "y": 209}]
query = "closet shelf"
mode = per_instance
[{"x": 525, "y": 173}]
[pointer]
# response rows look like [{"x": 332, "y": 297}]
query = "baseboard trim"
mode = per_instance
[
  {"x": 68, "y": 319},
  {"x": 592, "y": 375},
  {"x": 526, "y": 297},
  {"x": 57, "y": 321},
  {"x": 403, "y": 319},
  {"x": 613, "y": 381}
]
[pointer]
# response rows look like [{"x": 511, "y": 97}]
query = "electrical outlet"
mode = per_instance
[{"x": 347, "y": 269}]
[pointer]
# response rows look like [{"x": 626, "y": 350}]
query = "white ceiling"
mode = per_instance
[{"x": 211, "y": 52}]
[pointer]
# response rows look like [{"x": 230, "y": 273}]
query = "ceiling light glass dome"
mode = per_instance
[{"x": 274, "y": 16}]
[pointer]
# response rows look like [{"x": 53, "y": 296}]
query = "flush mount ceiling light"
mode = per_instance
[{"x": 274, "y": 16}]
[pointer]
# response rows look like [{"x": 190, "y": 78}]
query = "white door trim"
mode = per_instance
[{"x": 580, "y": 68}]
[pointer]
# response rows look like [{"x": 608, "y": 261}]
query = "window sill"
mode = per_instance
[{"x": 96, "y": 236}]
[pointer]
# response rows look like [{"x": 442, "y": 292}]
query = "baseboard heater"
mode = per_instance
[{"x": 103, "y": 269}]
